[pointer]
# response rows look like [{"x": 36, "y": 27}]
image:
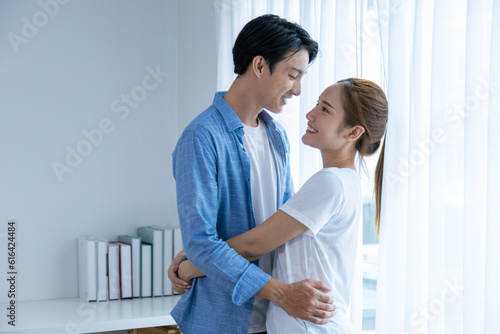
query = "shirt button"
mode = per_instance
[{"x": 249, "y": 305}]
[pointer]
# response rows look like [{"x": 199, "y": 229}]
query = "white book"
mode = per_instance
[
  {"x": 125, "y": 262},
  {"x": 146, "y": 270},
  {"x": 154, "y": 237},
  {"x": 87, "y": 269},
  {"x": 135, "y": 242},
  {"x": 102, "y": 279},
  {"x": 168, "y": 249},
  {"x": 114, "y": 271},
  {"x": 177, "y": 240}
]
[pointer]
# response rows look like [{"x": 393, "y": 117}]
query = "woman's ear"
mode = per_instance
[{"x": 354, "y": 133}]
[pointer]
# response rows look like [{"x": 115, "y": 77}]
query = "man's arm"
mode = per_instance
[
  {"x": 195, "y": 172},
  {"x": 301, "y": 299}
]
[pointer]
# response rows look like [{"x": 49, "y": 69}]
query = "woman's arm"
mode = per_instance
[
  {"x": 262, "y": 239},
  {"x": 253, "y": 244}
]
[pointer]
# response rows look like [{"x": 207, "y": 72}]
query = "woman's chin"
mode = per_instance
[{"x": 305, "y": 140}]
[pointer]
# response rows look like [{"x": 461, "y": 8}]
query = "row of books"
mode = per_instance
[{"x": 131, "y": 267}]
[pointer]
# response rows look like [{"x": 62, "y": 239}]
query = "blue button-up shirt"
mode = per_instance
[{"x": 212, "y": 174}]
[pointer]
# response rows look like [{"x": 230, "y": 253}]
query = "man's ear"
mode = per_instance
[
  {"x": 354, "y": 133},
  {"x": 258, "y": 65}
]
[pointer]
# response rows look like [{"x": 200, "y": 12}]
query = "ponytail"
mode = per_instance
[
  {"x": 377, "y": 189},
  {"x": 365, "y": 104}
]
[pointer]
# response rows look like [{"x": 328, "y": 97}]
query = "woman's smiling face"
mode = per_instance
[{"x": 325, "y": 126}]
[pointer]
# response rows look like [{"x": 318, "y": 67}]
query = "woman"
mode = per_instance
[{"x": 315, "y": 232}]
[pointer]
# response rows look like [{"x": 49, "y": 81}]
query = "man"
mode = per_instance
[{"x": 231, "y": 167}]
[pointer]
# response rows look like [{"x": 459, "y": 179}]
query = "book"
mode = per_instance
[
  {"x": 146, "y": 270},
  {"x": 135, "y": 243},
  {"x": 125, "y": 265},
  {"x": 168, "y": 249},
  {"x": 113, "y": 271},
  {"x": 154, "y": 237},
  {"x": 177, "y": 240},
  {"x": 87, "y": 269},
  {"x": 102, "y": 279}
]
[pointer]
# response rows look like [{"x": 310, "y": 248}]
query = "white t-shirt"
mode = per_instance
[
  {"x": 264, "y": 188},
  {"x": 330, "y": 205}
]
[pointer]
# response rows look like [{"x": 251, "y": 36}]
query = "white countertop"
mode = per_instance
[{"x": 74, "y": 315}]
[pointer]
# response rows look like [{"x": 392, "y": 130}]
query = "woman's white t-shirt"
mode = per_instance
[{"x": 330, "y": 205}]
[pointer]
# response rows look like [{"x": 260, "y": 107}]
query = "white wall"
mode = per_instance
[
  {"x": 197, "y": 58},
  {"x": 63, "y": 79}
]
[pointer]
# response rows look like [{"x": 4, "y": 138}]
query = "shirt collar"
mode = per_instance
[
  {"x": 232, "y": 120},
  {"x": 268, "y": 119}
]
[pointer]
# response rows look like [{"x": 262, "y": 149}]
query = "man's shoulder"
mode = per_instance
[
  {"x": 207, "y": 124},
  {"x": 205, "y": 119}
]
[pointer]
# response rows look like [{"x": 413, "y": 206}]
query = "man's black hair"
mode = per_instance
[{"x": 273, "y": 38}]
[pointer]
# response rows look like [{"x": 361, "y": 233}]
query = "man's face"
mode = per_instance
[{"x": 284, "y": 82}]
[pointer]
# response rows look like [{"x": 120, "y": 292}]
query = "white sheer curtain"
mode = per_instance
[
  {"x": 439, "y": 62},
  {"x": 334, "y": 26},
  {"x": 439, "y": 268}
]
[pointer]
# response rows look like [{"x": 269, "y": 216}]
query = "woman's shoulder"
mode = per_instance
[{"x": 337, "y": 175}]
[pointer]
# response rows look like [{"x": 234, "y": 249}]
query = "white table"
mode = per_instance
[{"x": 73, "y": 315}]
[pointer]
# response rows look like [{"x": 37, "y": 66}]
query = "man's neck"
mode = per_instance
[{"x": 242, "y": 99}]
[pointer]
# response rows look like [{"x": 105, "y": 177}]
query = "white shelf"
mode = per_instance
[{"x": 76, "y": 316}]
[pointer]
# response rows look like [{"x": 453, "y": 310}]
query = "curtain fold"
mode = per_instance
[
  {"x": 436, "y": 261},
  {"x": 393, "y": 280},
  {"x": 438, "y": 62},
  {"x": 492, "y": 298}
]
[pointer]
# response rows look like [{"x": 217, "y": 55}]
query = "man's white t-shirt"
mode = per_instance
[
  {"x": 330, "y": 205},
  {"x": 264, "y": 188}
]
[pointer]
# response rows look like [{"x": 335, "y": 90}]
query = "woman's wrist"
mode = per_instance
[{"x": 184, "y": 272}]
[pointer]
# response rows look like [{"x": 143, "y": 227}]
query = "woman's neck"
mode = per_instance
[{"x": 338, "y": 159}]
